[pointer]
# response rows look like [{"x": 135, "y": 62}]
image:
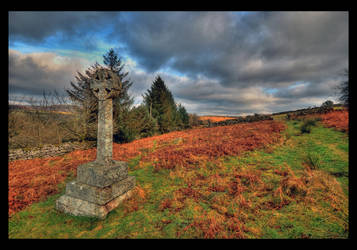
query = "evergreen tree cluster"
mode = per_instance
[
  {"x": 158, "y": 114},
  {"x": 162, "y": 107}
]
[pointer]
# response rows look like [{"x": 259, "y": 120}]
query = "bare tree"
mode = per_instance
[
  {"x": 77, "y": 116},
  {"x": 343, "y": 90},
  {"x": 51, "y": 119}
]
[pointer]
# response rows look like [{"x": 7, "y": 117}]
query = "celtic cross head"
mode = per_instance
[{"x": 105, "y": 84}]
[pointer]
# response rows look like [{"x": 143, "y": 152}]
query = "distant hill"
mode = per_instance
[
  {"x": 305, "y": 109},
  {"x": 216, "y": 118},
  {"x": 59, "y": 107}
]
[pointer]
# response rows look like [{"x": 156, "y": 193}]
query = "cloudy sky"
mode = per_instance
[{"x": 219, "y": 63}]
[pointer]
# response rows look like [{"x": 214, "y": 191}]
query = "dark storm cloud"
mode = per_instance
[
  {"x": 229, "y": 60},
  {"x": 299, "y": 34},
  {"x": 35, "y": 27},
  {"x": 188, "y": 40},
  {"x": 270, "y": 48},
  {"x": 305, "y": 90},
  {"x": 273, "y": 48}
]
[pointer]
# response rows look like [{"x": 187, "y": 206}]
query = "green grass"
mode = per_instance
[{"x": 295, "y": 220}]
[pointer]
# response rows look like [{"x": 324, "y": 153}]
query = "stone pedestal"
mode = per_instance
[{"x": 98, "y": 189}]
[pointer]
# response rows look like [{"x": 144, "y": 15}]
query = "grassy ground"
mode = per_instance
[{"x": 297, "y": 189}]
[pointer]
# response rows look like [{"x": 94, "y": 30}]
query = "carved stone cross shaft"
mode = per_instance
[{"x": 105, "y": 85}]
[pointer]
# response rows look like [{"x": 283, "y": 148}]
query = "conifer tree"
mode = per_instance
[
  {"x": 161, "y": 105},
  {"x": 123, "y": 102},
  {"x": 183, "y": 117},
  {"x": 81, "y": 94}
]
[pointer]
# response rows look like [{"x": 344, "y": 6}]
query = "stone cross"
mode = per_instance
[
  {"x": 101, "y": 185},
  {"x": 105, "y": 85}
]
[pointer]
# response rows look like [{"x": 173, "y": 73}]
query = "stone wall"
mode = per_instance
[{"x": 47, "y": 150}]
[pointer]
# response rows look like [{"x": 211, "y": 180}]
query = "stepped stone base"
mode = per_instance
[
  {"x": 102, "y": 175},
  {"x": 97, "y": 190},
  {"x": 99, "y": 195},
  {"x": 78, "y": 207}
]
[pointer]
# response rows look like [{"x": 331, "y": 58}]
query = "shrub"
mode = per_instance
[
  {"x": 305, "y": 128},
  {"x": 134, "y": 124},
  {"x": 194, "y": 120},
  {"x": 307, "y": 124},
  {"x": 313, "y": 160},
  {"x": 249, "y": 118},
  {"x": 310, "y": 122},
  {"x": 327, "y": 104}
]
